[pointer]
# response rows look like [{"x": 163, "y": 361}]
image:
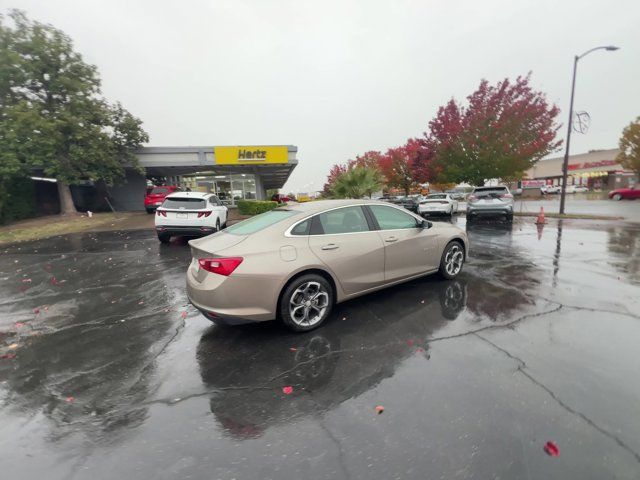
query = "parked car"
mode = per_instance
[
  {"x": 411, "y": 202},
  {"x": 438, "y": 203},
  {"x": 458, "y": 194},
  {"x": 630, "y": 193},
  {"x": 154, "y": 197},
  {"x": 490, "y": 201},
  {"x": 580, "y": 189},
  {"x": 190, "y": 213},
  {"x": 550, "y": 189},
  {"x": 294, "y": 263},
  {"x": 280, "y": 198}
]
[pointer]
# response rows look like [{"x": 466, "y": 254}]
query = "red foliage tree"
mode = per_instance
[
  {"x": 421, "y": 153},
  {"x": 505, "y": 129},
  {"x": 337, "y": 170},
  {"x": 396, "y": 166}
]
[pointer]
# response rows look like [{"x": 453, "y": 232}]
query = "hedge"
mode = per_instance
[
  {"x": 254, "y": 207},
  {"x": 18, "y": 200}
]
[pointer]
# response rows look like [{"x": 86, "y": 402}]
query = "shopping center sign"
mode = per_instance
[
  {"x": 251, "y": 155},
  {"x": 586, "y": 165}
]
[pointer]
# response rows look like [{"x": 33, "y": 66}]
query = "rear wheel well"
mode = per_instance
[{"x": 324, "y": 274}]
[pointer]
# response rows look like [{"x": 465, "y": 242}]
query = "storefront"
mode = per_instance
[
  {"x": 597, "y": 170},
  {"x": 233, "y": 172}
]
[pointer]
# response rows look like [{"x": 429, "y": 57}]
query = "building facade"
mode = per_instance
[
  {"x": 232, "y": 172},
  {"x": 597, "y": 170}
]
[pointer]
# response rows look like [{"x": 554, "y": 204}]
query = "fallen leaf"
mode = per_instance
[
  {"x": 421, "y": 301},
  {"x": 344, "y": 318},
  {"x": 288, "y": 390},
  {"x": 410, "y": 343},
  {"x": 70, "y": 399},
  {"x": 26, "y": 280},
  {"x": 54, "y": 281},
  {"x": 140, "y": 302},
  {"x": 184, "y": 314},
  {"x": 8, "y": 356},
  {"x": 13, "y": 346},
  {"x": 36, "y": 311},
  {"x": 19, "y": 324},
  {"x": 293, "y": 349},
  {"x": 379, "y": 409},
  {"x": 551, "y": 449}
]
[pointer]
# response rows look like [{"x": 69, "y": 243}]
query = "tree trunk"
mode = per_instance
[{"x": 66, "y": 200}]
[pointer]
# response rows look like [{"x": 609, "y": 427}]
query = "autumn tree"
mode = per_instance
[
  {"x": 629, "y": 145},
  {"x": 502, "y": 132},
  {"x": 53, "y": 117},
  {"x": 336, "y": 170},
  {"x": 396, "y": 166},
  {"x": 421, "y": 153}
]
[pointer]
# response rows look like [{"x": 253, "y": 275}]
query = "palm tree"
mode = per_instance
[{"x": 357, "y": 182}]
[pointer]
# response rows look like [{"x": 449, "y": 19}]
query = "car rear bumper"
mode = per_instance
[
  {"x": 438, "y": 209},
  {"x": 185, "y": 230},
  {"x": 490, "y": 210},
  {"x": 233, "y": 299}
]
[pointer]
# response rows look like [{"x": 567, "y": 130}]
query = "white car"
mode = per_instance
[
  {"x": 581, "y": 189},
  {"x": 189, "y": 213},
  {"x": 551, "y": 189},
  {"x": 438, "y": 203}
]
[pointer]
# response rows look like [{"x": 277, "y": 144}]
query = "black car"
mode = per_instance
[{"x": 411, "y": 202}]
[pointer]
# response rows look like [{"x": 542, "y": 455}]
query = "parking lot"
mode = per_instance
[{"x": 107, "y": 372}]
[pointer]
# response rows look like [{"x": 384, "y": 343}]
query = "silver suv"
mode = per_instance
[{"x": 490, "y": 201}]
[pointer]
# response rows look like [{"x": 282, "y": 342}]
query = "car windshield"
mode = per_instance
[
  {"x": 183, "y": 203},
  {"x": 159, "y": 191},
  {"x": 436, "y": 196},
  {"x": 259, "y": 222}
]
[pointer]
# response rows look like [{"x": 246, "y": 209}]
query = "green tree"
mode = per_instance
[
  {"x": 629, "y": 144},
  {"x": 357, "y": 182},
  {"x": 53, "y": 117}
]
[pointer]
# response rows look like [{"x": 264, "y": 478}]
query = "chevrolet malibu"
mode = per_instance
[{"x": 295, "y": 263}]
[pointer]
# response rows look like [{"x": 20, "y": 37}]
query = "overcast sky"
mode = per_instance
[{"x": 337, "y": 78}]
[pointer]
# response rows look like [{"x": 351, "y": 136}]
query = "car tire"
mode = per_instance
[
  {"x": 451, "y": 263},
  {"x": 218, "y": 225},
  {"x": 294, "y": 309},
  {"x": 617, "y": 197},
  {"x": 509, "y": 218},
  {"x": 164, "y": 237},
  {"x": 149, "y": 210}
]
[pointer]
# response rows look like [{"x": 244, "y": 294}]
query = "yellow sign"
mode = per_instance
[{"x": 251, "y": 155}]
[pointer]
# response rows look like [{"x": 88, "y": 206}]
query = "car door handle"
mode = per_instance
[
  {"x": 330, "y": 246},
  {"x": 391, "y": 239}
]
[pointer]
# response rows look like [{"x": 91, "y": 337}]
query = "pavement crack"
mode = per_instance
[{"x": 522, "y": 366}]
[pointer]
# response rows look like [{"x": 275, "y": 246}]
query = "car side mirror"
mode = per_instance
[{"x": 426, "y": 224}]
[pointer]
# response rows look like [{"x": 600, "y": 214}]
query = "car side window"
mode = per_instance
[
  {"x": 302, "y": 228},
  {"x": 343, "y": 220},
  {"x": 390, "y": 218}
]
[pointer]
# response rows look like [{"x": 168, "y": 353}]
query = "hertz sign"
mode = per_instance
[{"x": 251, "y": 155}]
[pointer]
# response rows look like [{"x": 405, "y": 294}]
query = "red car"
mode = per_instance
[
  {"x": 278, "y": 197},
  {"x": 155, "y": 197},
  {"x": 627, "y": 193}
]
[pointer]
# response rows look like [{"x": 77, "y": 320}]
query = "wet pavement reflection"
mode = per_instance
[{"x": 106, "y": 372}]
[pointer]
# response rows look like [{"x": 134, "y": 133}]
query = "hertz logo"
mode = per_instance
[{"x": 252, "y": 154}]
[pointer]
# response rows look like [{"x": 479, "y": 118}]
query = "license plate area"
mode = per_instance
[{"x": 182, "y": 215}]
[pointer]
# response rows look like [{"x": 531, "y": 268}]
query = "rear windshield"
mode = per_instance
[
  {"x": 183, "y": 203},
  {"x": 491, "y": 191},
  {"x": 259, "y": 222},
  {"x": 159, "y": 190},
  {"x": 436, "y": 196}
]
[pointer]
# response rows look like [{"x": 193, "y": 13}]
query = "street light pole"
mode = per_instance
[{"x": 565, "y": 163}]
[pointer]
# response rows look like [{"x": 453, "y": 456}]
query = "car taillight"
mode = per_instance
[
  {"x": 204, "y": 214},
  {"x": 222, "y": 266},
  {"x": 161, "y": 212},
  {"x": 506, "y": 195}
]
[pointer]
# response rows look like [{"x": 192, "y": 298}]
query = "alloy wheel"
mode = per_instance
[
  {"x": 308, "y": 304},
  {"x": 453, "y": 260}
]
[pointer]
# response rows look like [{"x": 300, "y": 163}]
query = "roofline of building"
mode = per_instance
[{"x": 196, "y": 149}]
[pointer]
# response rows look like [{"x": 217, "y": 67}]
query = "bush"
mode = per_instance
[
  {"x": 254, "y": 207},
  {"x": 18, "y": 200}
]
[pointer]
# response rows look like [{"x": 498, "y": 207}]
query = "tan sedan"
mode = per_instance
[{"x": 295, "y": 263}]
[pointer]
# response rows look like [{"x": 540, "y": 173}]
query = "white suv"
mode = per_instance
[
  {"x": 490, "y": 201},
  {"x": 189, "y": 213}
]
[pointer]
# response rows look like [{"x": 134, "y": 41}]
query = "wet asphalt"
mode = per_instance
[{"x": 106, "y": 372}]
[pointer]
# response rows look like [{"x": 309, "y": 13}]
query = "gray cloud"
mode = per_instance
[{"x": 337, "y": 78}]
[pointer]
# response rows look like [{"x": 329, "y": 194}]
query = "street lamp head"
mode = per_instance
[{"x": 611, "y": 48}]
